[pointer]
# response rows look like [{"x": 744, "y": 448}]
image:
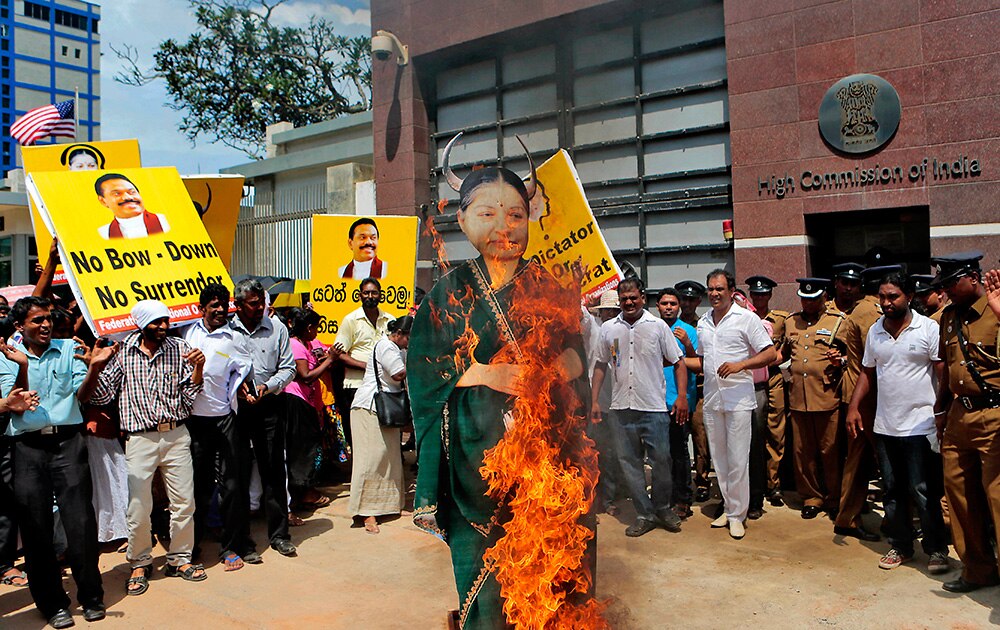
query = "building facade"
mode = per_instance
[
  {"x": 323, "y": 168},
  {"x": 49, "y": 52},
  {"x": 682, "y": 114}
]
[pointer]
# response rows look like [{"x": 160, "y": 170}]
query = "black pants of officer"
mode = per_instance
[
  {"x": 47, "y": 466},
  {"x": 265, "y": 421},
  {"x": 220, "y": 453}
]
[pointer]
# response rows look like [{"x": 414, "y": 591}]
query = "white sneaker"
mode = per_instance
[
  {"x": 736, "y": 530},
  {"x": 722, "y": 521}
]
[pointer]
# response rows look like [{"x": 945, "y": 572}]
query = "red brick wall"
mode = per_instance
[{"x": 940, "y": 55}]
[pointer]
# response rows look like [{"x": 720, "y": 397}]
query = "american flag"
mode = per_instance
[{"x": 49, "y": 120}]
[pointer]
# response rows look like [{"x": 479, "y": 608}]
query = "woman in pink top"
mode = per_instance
[{"x": 305, "y": 406}]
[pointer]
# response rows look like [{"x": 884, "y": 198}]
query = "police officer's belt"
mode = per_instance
[{"x": 991, "y": 396}]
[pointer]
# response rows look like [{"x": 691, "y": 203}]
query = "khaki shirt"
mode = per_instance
[
  {"x": 863, "y": 316},
  {"x": 777, "y": 319},
  {"x": 358, "y": 336},
  {"x": 815, "y": 384},
  {"x": 979, "y": 327}
]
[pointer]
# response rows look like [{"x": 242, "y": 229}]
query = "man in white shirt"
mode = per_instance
[
  {"x": 636, "y": 346},
  {"x": 362, "y": 238},
  {"x": 215, "y": 433},
  {"x": 902, "y": 358},
  {"x": 731, "y": 343},
  {"x": 355, "y": 342}
]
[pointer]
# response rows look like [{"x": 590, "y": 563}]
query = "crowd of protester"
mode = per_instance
[
  {"x": 171, "y": 435},
  {"x": 174, "y": 435},
  {"x": 880, "y": 377}
]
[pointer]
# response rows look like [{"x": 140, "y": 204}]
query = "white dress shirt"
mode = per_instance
[
  {"x": 635, "y": 355},
  {"x": 738, "y": 336},
  {"x": 905, "y": 376},
  {"x": 227, "y": 364}
]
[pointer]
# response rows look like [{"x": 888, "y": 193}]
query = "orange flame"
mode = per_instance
[
  {"x": 545, "y": 456},
  {"x": 437, "y": 242}
]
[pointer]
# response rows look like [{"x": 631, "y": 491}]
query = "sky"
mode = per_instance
[{"x": 142, "y": 112}]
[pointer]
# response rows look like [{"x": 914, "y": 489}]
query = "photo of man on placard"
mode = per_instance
[
  {"x": 118, "y": 194},
  {"x": 362, "y": 238}
]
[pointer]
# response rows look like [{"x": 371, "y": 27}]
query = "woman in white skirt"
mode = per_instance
[{"x": 377, "y": 473}]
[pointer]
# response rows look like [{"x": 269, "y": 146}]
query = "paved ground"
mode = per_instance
[{"x": 787, "y": 573}]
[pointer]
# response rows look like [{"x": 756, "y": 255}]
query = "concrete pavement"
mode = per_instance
[{"x": 786, "y": 573}]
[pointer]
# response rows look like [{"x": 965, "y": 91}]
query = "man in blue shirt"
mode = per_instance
[
  {"x": 669, "y": 305},
  {"x": 50, "y": 459}
]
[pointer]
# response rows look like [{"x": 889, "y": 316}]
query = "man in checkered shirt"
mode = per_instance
[{"x": 156, "y": 379}]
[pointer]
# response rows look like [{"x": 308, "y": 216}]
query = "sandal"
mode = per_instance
[
  {"x": 294, "y": 520},
  {"x": 371, "y": 525},
  {"x": 252, "y": 557},
  {"x": 190, "y": 573},
  {"x": 12, "y": 574},
  {"x": 142, "y": 581},
  {"x": 322, "y": 501},
  {"x": 232, "y": 561}
]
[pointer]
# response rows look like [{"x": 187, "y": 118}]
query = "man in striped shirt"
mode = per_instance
[{"x": 156, "y": 379}]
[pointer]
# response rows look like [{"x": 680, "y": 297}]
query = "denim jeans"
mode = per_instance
[
  {"x": 912, "y": 473},
  {"x": 639, "y": 433},
  {"x": 609, "y": 483}
]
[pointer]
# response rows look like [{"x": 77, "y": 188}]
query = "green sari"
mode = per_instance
[{"x": 455, "y": 426}]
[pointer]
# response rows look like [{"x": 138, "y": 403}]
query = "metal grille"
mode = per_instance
[
  {"x": 274, "y": 232},
  {"x": 642, "y": 108}
]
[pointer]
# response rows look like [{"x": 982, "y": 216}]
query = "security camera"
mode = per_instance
[
  {"x": 381, "y": 47},
  {"x": 385, "y": 43}
]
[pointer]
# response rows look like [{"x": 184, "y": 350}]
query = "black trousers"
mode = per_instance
[
  {"x": 8, "y": 506},
  {"x": 47, "y": 465},
  {"x": 265, "y": 422},
  {"x": 220, "y": 453},
  {"x": 343, "y": 403}
]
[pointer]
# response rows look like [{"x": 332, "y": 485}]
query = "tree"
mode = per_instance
[{"x": 239, "y": 72}]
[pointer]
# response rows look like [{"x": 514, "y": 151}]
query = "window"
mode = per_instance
[
  {"x": 72, "y": 20},
  {"x": 65, "y": 50},
  {"x": 36, "y": 11},
  {"x": 4, "y": 13},
  {"x": 4, "y": 44},
  {"x": 6, "y": 105},
  {"x": 76, "y": 53},
  {"x": 93, "y": 25}
]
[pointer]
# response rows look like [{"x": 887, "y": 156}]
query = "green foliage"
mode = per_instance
[{"x": 240, "y": 72}]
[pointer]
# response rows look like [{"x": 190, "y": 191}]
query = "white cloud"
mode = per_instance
[{"x": 142, "y": 112}]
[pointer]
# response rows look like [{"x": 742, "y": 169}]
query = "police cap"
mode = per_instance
[
  {"x": 954, "y": 266},
  {"x": 691, "y": 289},
  {"x": 811, "y": 287},
  {"x": 760, "y": 284}
]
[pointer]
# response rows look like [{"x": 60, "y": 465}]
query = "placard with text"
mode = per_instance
[
  {"x": 125, "y": 236},
  {"x": 340, "y": 260}
]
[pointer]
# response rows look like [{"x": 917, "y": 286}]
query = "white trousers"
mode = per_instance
[
  {"x": 169, "y": 451},
  {"x": 729, "y": 443}
]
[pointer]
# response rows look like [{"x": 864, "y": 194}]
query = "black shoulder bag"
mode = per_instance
[{"x": 392, "y": 408}]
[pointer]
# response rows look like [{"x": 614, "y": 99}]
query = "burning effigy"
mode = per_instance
[{"x": 498, "y": 390}]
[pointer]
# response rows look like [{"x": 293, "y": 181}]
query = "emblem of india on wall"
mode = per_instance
[
  {"x": 858, "y": 124},
  {"x": 859, "y": 113}
]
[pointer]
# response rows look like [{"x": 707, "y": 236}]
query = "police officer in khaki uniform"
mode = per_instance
[
  {"x": 761, "y": 289},
  {"x": 691, "y": 294},
  {"x": 815, "y": 344},
  {"x": 860, "y": 462},
  {"x": 928, "y": 298},
  {"x": 968, "y": 414}
]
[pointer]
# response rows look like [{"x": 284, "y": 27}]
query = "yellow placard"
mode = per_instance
[
  {"x": 139, "y": 239},
  {"x": 567, "y": 231},
  {"x": 340, "y": 262},
  {"x": 216, "y": 199},
  {"x": 78, "y": 156}
]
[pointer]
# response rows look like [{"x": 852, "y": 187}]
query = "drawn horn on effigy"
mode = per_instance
[{"x": 456, "y": 182}]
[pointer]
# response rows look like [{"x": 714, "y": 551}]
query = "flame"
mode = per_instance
[
  {"x": 551, "y": 466},
  {"x": 437, "y": 242}
]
